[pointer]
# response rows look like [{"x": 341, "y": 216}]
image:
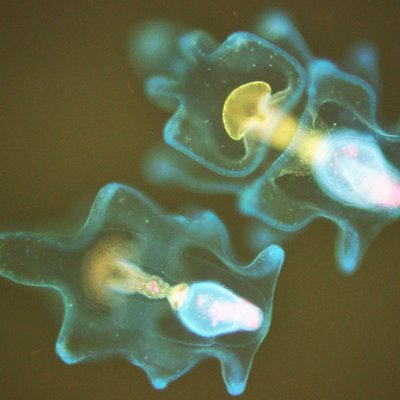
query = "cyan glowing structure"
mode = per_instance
[
  {"x": 192, "y": 75},
  {"x": 163, "y": 291},
  {"x": 323, "y": 153},
  {"x": 335, "y": 167}
]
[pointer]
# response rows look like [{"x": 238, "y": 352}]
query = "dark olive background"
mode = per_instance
[{"x": 73, "y": 117}]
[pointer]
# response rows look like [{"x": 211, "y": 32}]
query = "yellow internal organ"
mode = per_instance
[
  {"x": 243, "y": 105},
  {"x": 107, "y": 273},
  {"x": 249, "y": 111},
  {"x": 177, "y": 295},
  {"x": 126, "y": 278}
]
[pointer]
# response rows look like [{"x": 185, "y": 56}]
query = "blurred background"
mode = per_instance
[{"x": 73, "y": 117}]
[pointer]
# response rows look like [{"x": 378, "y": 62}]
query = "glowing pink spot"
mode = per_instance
[
  {"x": 200, "y": 300},
  {"x": 350, "y": 151},
  {"x": 153, "y": 286},
  {"x": 241, "y": 312},
  {"x": 252, "y": 316},
  {"x": 354, "y": 170}
]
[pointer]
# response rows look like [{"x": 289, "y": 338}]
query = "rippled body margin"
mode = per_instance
[
  {"x": 298, "y": 178},
  {"x": 115, "y": 273}
]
